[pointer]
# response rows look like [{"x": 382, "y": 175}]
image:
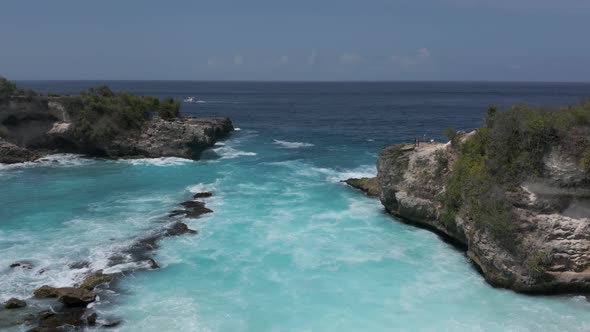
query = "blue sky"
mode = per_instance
[{"x": 513, "y": 40}]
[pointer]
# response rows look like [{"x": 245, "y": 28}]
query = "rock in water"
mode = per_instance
[
  {"x": 179, "y": 228},
  {"x": 45, "y": 291},
  {"x": 205, "y": 194},
  {"x": 12, "y": 154},
  {"x": 24, "y": 265},
  {"x": 51, "y": 321},
  {"x": 14, "y": 303},
  {"x": 69, "y": 296},
  {"x": 75, "y": 297},
  {"x": 369, "y": 185},
  {"x": 153, "y": 264},
  {"x": 193, "y": 209},
  {"x": 91, "y": 319},
  {"x": 94, "y": 280}
]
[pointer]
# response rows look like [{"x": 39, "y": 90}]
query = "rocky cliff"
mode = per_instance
[
  {"x": 35, "y": 126},
  {"x": 548, "y": 250}
]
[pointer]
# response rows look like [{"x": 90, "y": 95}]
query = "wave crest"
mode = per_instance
[{"x": 292, "y": 145}]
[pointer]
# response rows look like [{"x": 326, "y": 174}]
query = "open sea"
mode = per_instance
[{"x": 289, "y": 247}]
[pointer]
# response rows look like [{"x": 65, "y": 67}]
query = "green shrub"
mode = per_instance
[
  {"x": 169, "y": 108},
  {"x": 99, "y": 114},
  {"x": 7, "y": 88},
  {"x": 537, "y": 263},
  {"x": 453, "y": 136},
  {"x": 503, "y": 153}
]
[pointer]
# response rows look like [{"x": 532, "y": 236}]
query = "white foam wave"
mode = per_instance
[
  {"x": 292, "y": 145},
  {"x": 62, "y": 159},
  {"x": 366, "y": 171},
  {"x": 202, "y": 187},
  {"x": 227, "y": 152},
  {"x": 161, "y": 162}
]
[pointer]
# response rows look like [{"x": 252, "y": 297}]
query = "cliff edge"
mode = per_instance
[
  {"x": 515, "y": 194},
  {"x": 101, "y": 123}
]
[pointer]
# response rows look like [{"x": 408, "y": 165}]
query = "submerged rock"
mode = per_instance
[
  {"x": 113, "y": 323},
  {"x": 152, "y": 263},
  {"x": 46, "y": 314},
  {"x": 14, "y": 303},
  {"x": 179, "y": 228},
  {"x": 79, "y": 265},
  {"x": 91, "y": 319},
  {"x": 24, "y": 265},
  {"x": 51, "y": 321},
  {"x": 193, "y": 209},
  {"x": 95, "y": 279},
  {"x": 204, "y": 194},
  {"x": 369, "y": 185}
]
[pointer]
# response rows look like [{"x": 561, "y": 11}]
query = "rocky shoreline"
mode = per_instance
[
  {"x": 51, "y": 308},
  {"x": 550, "y": 250},
  {"x": 33, "y": 128}
]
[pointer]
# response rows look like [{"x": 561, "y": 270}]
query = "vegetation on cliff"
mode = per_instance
[
  {"x": 9, "y": 89},
  {"x": 100, "y": 114},
  {"x": 508, "y": 149}
]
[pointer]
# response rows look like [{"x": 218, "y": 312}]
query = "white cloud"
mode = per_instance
[
  {"x": 212, "y": 62},
  {"x": 422, "y": 56},
  {"x": 351, "y": 58},
  {"x": 238, "y": 60},
  {"x": 312, "y": 59},
  {"x": 283, "y": 60}
]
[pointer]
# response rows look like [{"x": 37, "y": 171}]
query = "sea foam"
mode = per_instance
[
  {"x": 292, "y": 145},
  {"x": 227, "y": 152}
]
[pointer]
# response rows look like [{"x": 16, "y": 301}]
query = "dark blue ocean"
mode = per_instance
[{"x": 289, "y": 247}]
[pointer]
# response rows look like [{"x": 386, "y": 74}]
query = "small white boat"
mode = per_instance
[{"x": 190, "y": 100}]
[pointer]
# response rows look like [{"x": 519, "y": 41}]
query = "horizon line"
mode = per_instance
[{"x": 301, "y": 81}]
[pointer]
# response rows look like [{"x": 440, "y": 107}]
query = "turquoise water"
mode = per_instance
[{"x": 288, "y": 248}]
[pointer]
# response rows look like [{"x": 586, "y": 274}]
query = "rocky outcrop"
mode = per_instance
[
  {"x": 95, "y": 279},
  {"x": 369, "y": 186},
  {"x": 33, "y": 127},
  {"x": 14, "y": 303},
  {"x": 69, "y": 296},
  {"x": 184, "y": 137},
  {"x": 12, "y": 154},
  {"x": 550, "y": 251}
]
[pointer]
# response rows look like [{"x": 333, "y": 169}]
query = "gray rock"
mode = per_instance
[
  {"x": 31, "y": 128},
  {"x": 368, "y": 185},
  {"x": 95, "y": 279},
  {"x": 12, "y": 154},
  {"x": 69, "y": 296},
  {"x": 14, "y": 303},
  {"x": 551, "y": 249}
]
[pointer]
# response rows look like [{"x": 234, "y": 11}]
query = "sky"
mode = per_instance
[{"x": 315, "y": 40}]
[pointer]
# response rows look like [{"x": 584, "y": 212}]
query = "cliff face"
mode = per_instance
[
  {"x": 550, "y": 250},
  {"x": 33, "y": 127}
]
